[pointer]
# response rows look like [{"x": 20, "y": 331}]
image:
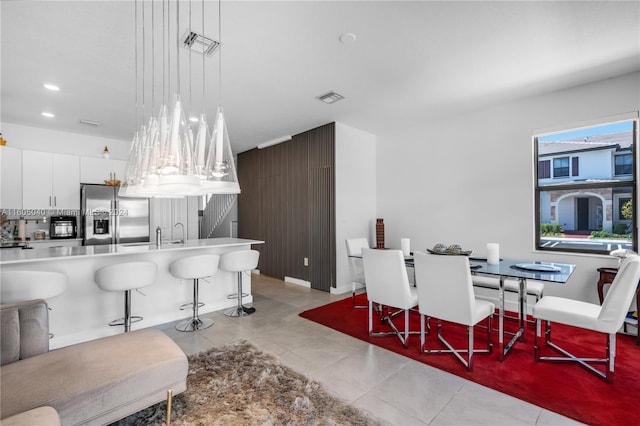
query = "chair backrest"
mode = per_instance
[
  {"x": 25, "y": 330},
  {"x": 354, "y": 248},
  {"x": 618, "y": 298},
  {"x": 386, "y": 276},
  {"x": 445, "y": 287}
]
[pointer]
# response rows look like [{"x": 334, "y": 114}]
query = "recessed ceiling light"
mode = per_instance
[
  {"x": 330, "y": 97},
  {"x": 48, "y": 114},
  {"x": 347, "y": 38},
  {"x": 51, "y": 86},
  {"x": 193, "y": 119}
]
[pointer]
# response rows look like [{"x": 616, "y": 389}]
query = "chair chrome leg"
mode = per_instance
[
  {"x": 194, "y": 323},
  {"x": 238, "y": 311},
  {"x": 609, "y": 360},
  {"x": 353, "y": 297},
  {"x": 388, "y": 319},
  {"x": 468, "y": 363}
]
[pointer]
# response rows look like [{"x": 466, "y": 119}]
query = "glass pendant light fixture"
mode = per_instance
[
  {"x": 221, "y": 176},
  {"x": 165, "y": 160}
]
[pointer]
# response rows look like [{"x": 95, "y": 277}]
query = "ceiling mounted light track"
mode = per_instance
[
  {"x": 330, "y": 97},
  {"x": 199, "y": 43}
]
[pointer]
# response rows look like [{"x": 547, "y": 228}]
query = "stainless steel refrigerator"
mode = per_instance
[{"x": 109, "y": 219}]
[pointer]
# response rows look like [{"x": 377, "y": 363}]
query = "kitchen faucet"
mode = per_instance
[{"x": 182, "y": 227}]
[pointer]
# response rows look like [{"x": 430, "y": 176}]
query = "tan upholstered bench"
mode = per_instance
[
  {"x": 95, "y": 382},
  {"x": 41, "y": 416}
]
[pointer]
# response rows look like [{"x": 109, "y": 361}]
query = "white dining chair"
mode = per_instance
[
  {"x": 606, "y": 318},
  {"x": 354, "y": 248},
  {"x": 388, "y": 285},
  {"x": 534, "y": 288},
  {"x": 445, "y": 292}
]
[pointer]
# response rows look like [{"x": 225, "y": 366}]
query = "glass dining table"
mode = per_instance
[
  {"x": 521, "y": 271},
  {"x": 515, "y": 269}
]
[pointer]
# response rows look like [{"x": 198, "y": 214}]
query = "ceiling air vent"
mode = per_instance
[
  {"x": 330, "y": 97},
  {"x": 199, "y": 43}
]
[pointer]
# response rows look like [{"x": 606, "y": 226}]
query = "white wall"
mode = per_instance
[
  {"x": 355, "y": 180},
  {"x": 469, "y": 179},
  {"x": 39, "y": 139}
]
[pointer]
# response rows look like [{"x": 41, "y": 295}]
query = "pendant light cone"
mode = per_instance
[
  {"x": 200, "y": 148},
  {"x": 176, "y": 172},
  {"x": 221, "y": 170}
]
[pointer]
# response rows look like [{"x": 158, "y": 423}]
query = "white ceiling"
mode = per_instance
[{"x": 412, "y": 61}]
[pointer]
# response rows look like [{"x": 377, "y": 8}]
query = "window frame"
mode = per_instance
[
  {"x": 568, "y": 167},
  {"x": 577, "y": 186},
  {"x": 615, "y": 166}
]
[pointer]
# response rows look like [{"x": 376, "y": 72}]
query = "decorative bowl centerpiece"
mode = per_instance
[{"x": 452, "y": 250}]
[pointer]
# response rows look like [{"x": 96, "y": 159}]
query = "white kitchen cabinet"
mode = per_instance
[
  {"x": 167, "y": 212},
  {"x": 10, "y": 178},
  {"x": 50, "y": 181},
  {"x": 97, "y": 170}
]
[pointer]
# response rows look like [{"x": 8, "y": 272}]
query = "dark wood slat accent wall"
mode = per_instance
[
  {"x": 288, "y": 200},
  {"x": 322, "y": 202},
  {"x": 298, "y": 232}
]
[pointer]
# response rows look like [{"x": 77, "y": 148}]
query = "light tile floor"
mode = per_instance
[{"x": 393, "y": 389}]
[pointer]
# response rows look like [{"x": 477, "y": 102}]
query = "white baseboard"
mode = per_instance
[{"x": 297, "y": 281}]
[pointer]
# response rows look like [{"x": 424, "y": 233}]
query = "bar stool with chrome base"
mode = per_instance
[
  {"x": 194, "y": 268},
  {"x": 239, "y": 261},
  {"x": 20, "y": 286},
  {"x": 126, "y": 277}
]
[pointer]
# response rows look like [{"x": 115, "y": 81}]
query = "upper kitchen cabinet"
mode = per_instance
[
  {"x": 97, "y": 170},
  {"x": 50, "y": 181},
  {"x": 10, "y": 178}
]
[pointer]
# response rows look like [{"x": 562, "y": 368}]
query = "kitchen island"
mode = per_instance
[{"x": 84, "y": 311}]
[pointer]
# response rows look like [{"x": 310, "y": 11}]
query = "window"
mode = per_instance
[
  {"x": 623, "y": 164},
  {"x": 544, "y": 169},
  {"x": 587, "y": 209},
  {"x": 561, "y": 167}
]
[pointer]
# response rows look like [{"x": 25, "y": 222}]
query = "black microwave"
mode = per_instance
[{"x": 63, "y": 227}]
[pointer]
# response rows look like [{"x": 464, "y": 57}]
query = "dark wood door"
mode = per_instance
[{"x": 583, "y": 214}]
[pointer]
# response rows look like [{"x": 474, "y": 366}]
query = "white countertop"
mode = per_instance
[{"x": 39, "y": 254}]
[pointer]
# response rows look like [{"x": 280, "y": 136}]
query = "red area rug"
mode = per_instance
[{"x": 565, "y": 388}]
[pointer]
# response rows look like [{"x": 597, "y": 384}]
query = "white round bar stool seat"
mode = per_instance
[
  {"x": 20, "y": 286},
  {"x": 194, "y": 268},
  {"x": 126, "y": 277},
  {"x": 239, "y": 261}
]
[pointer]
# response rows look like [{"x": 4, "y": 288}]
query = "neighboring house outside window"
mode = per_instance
[{"x": 584, "y": 180}]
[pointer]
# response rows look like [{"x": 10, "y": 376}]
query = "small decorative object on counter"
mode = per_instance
[
  {"x": 3, "y": 142},
  {"x": 493, "y": 253},
  {"x": 105, "y": 152},
  {"x": 379, "y": 233},
  {"x": 112, "y": 180}
]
